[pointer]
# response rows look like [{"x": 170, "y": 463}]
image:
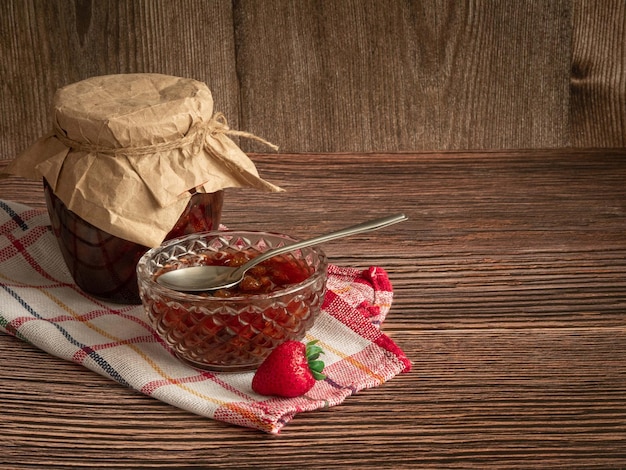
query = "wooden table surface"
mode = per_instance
[{"x": 510, "y": 299}]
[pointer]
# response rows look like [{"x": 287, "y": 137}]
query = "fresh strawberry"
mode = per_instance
[{"x": 290, "y": 370}]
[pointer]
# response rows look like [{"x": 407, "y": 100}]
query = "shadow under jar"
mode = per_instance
[{"x": 104, "y": 265}]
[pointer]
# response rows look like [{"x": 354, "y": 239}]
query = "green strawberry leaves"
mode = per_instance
[{"x": 313, "y": 352}]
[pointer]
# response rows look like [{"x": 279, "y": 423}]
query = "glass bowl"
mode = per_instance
[{"x": 233, "y": 329}]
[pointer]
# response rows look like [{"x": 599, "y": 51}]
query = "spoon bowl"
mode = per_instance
[{"x": 211, "y": 277}]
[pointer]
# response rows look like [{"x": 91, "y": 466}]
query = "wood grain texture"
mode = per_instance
[
  {"x": 598, "y": 95},
  {"x": 327, "y": 76},
  {"x": 47, "y": 44},
  {"x": 510, "y": 299},
  {"x": 395, "y": 76}
]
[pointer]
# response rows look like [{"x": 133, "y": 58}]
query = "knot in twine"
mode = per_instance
[{"x": 195, "y": 137}]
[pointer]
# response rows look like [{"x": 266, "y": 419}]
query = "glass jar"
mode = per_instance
[
  {"x": 122, "y": 150},
  {"x": 104, "y": 265}
]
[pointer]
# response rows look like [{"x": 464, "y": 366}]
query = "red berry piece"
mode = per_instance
[{"x": 290, "y": 370}]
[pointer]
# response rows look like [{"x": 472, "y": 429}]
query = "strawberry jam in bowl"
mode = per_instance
[{"x": 236, "y": 328}]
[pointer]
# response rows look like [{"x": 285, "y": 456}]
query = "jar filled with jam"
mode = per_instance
[
  {"x": 133, "y": 160},
  {"x": 104, "y": 265}
]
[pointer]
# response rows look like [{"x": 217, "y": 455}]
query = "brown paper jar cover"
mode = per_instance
[
  {"x": 126, "y": 150},
  {"x": 132, "y": 160}
]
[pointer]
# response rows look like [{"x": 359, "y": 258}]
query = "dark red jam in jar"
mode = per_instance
[{"x": 104, "y": 265}]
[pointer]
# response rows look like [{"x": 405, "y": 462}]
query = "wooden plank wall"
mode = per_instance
[{"x": 340, "y": 75}]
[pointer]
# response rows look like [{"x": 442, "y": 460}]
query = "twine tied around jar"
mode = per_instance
[{"x": 195, "y": 137}]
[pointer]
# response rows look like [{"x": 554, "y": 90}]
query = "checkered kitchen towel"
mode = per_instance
[{"x": 40, "y": 304}]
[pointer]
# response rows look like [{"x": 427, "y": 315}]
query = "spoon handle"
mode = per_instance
[{"x": 354, "y": 229}]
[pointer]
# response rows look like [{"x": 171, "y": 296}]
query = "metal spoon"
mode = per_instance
[{"x": 207, "y": 278}]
